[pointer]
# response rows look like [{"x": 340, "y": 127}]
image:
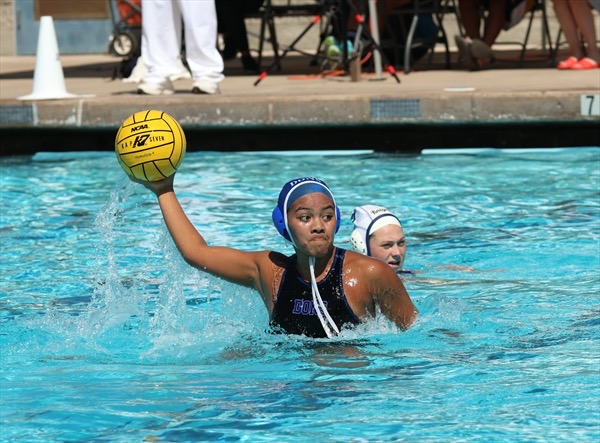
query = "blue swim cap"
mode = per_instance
[{"x": 292, "y": 191}]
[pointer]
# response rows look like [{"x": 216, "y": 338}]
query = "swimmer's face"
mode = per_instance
[
  {"x": 389, "y": 245},
  {"x": 311, "y": 222}
]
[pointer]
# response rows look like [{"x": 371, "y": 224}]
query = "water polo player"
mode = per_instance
[
  {"x": 378, "y": 233},
  {"x": 319, "y": 290}
]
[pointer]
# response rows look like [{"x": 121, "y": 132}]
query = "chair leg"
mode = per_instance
[
  {"x": 539, "y": 6},
  {"x": 274, "y": 42},
  {"x": 524, "y": 48},
  {"x": 261, "y": 40},
  {"x": 408, "y": 44},
  {"x": 440, "y": 25},
  {"x": 547, "y": 36}
]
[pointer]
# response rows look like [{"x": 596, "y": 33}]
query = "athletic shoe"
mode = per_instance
[
  {"x": 585, "y": 63},
  {"x": 163, "y": 88},
  {"x": 138, "y": 72},
  {"x": 567, "y": 63},
  {"x": 205, "y": 87},
  {"x": 482, "y": 52},
  {"x": 184, "y": 73},
  {"x": 464, "y": 51}
]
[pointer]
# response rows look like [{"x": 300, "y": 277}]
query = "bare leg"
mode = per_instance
[
  {"x": 469, "y": 15},
  {"x": 568, "y": 26},
  {"x": 585, "y": 23},
  {"x": 494, "y": 21}
]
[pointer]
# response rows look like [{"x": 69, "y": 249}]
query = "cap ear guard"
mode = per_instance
[
  {"x": 279, "y": 222},
  {"x": 358, "y": 237},
  {"x": 358, "y": 242}
]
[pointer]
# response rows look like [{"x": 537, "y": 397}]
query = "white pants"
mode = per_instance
[{"x": 161, "y": 39}]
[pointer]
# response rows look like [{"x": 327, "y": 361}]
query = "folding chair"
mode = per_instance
[
  {"x": 268, "y": 14},
  {"x": 317, "y": 10},
  {"x": 400, "y": 30},
  {"x": 539, "y": 6},
  {"x": 527, "y": 9},
  {"x": 335, "y": 14}
]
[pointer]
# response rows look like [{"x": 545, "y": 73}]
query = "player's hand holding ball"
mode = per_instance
[{"x": 158, "y": 187}]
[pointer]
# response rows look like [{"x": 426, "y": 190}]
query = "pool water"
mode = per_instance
[{"x": 107, "y": 335}]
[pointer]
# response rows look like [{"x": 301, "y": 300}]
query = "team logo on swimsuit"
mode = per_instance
[{"x": 305, "y": 307}]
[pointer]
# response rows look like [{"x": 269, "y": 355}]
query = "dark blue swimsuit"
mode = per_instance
[{"x": 294, "y": 312}]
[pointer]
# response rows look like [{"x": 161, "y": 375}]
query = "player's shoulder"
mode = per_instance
[
  {"x": 276, "y": 258},
  {"x": 356, "y": 259}
]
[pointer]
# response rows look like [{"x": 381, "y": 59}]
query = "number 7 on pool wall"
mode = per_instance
[{"x": 590, "y": 104}]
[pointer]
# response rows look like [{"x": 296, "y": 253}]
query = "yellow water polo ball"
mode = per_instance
[{"x": 150, "y": 145}]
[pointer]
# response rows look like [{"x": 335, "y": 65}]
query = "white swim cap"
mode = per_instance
[{"x": 368, "y": 219}]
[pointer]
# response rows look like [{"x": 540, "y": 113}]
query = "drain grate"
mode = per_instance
[
  {"x": 395, "y": 108},
  {"x": 17, "y": 114}
]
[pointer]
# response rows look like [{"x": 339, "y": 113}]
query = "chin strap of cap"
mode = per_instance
[{"x": 327, "y": 322}]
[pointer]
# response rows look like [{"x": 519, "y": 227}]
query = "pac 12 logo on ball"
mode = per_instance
[{"x": 150, "y": 145}]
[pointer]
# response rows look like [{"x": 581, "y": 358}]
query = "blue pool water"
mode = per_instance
[{"x": 108, "y": 336}]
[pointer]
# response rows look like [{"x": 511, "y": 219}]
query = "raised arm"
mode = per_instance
[{"x": 231, "y": 264}]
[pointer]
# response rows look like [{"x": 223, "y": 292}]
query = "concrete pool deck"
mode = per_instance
[{"x": 297, "y": 108}]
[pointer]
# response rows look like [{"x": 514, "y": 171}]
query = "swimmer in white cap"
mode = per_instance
[
  {"x": 319, "y": 290},
  {"x": 378, "y": 233}
]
